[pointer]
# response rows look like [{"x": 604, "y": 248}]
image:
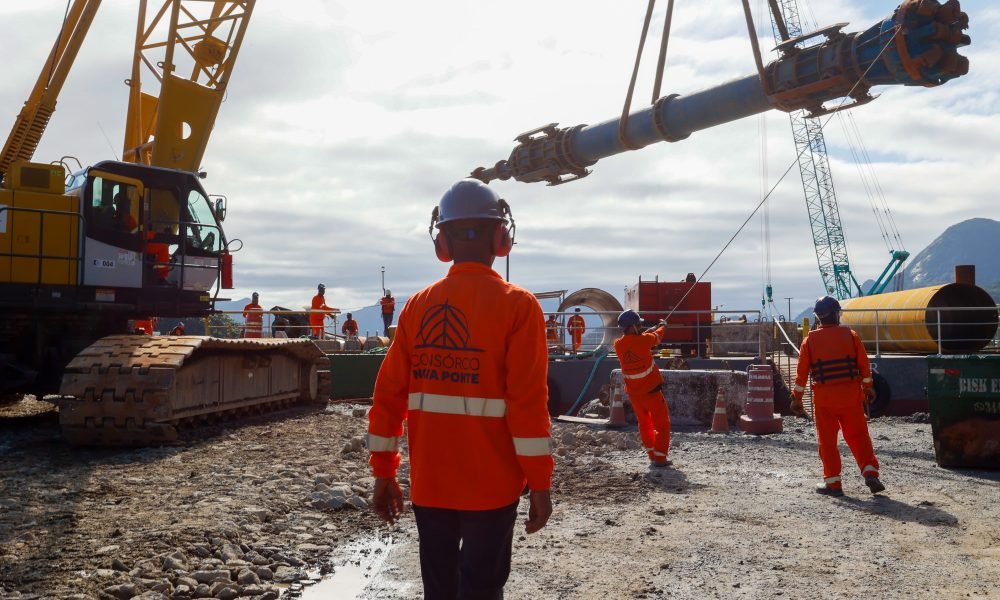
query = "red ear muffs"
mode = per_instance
[
  {"x": 503, "y": 237},
  {"x": 441, "y": 247},
  {"x": 502, "y": 242}
]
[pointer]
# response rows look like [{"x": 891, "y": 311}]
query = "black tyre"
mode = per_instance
[
  {"x": 883, "y": 396},
  {"x": 556, "y": 407}
]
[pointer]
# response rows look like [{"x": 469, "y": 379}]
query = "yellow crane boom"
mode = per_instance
[
  {"x": 192, "y": 66},
  {"x": 37, "y": 110}
]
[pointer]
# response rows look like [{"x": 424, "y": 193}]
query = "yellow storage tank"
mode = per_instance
[{"x": 955, "y": 318}]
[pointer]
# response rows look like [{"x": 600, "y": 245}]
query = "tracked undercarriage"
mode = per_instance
[{"x": 138, "y": 390}]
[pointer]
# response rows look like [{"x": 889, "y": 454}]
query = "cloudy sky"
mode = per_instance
[{"x": 345, "y": 121}]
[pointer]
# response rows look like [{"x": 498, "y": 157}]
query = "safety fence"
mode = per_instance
[
  {"x": 275, "y": 323},
  {"x": 706, "y": 334}
]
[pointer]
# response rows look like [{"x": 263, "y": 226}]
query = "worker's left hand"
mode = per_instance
[
  {"x": 387, "y": 499},
  {"x": 870, "y": 395},
  {"x": 539, "y": 511}
]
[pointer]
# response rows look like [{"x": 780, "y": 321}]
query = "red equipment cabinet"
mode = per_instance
[{"x": 691, "y": 322}]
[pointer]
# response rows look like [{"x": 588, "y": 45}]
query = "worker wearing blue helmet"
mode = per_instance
[
  {"x": 644, "y": 384},
  {"x": 835, "y": 359}
]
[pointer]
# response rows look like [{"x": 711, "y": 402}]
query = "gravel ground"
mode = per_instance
[{"x": 275, "y": 505}]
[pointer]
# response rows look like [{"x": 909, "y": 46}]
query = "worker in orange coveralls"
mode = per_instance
[
  {"x": 552, "y": 331},
  {"x": 160, "y": 255},
  {"x": 388, "y": 304},
  {"x": 254, "y": 316},
  {"x": 467, "y": 370},
  {"x": 576, "y": 327},
  {"x": 350, "y": 326},
  {"x": 645, "y": 385},
  {"x": 319, "y": 312},
  {"x": 841, "y": 375}
]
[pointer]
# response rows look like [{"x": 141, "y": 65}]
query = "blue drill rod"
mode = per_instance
[{"x": 917, "y": 46}]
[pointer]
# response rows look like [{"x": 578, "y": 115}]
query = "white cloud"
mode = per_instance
[{"x": 345, "y": 121}]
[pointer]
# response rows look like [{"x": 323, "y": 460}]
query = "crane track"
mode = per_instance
[{"x": 136, "y": 390}]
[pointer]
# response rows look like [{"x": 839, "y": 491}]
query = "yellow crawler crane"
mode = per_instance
[{"x": 81, "y": 256}]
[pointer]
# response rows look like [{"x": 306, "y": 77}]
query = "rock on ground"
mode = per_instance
[{"x": 240, "y": 511}]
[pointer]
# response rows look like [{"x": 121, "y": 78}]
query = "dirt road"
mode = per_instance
[{"x": 259, "y": 510}]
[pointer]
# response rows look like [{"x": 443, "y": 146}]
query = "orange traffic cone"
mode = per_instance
[
  {"x": 616, "y": 416},
  {"x": 720, "y": 420}
]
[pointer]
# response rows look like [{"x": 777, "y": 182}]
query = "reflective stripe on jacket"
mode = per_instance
[
  {"x": 253, "y": 313},
  {"x": 833, "y": 355},
  {"x": 635, "y": 353},
  {"x": 467, "y": 371},
  {"x": 576, "y": 325}
]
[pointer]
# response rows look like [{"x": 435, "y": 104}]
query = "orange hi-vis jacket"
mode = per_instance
[
  {"x": 635, "y": 353},
  {"x": 467, "y": 371},
  {"x": 388, "y": 305},
  {"x": 161, "y": 255},
  {"x": 552, "y": 330},
  {"x": 318, "y": 311},
  {"x": 576, "y": 326},
  {"x": 253, "y": 313},
  {"x": 834, "y": 356},
  {"x": 350, "y": 327}
]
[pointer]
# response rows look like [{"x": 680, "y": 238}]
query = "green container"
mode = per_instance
[
  {"x": 353, "y": 375},
  {"x": 964, "y": 395}
]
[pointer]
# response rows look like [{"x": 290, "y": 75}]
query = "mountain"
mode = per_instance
[
  {"x": 971, "y": 242},
  {"x": 234, "y": 305}
]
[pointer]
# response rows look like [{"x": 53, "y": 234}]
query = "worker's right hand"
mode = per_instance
[
  {"x": 797, "y": 408},
  {"x": 870, "y": 395},
  {"x": 539, "y": 511},
  {"x": 387, "y": 499}
]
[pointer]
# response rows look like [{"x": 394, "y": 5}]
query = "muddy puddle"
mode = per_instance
[{"x": 354, "y": 567}]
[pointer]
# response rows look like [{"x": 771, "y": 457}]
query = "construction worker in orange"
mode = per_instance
[
  {"x": 388, "y": 309},
  {"x": 835, "y": 358},
  {"x": 253, "y": 314},
  {"x": 144, "y": 326},
  {"x": 467, "y": 371},
  {"x": 552, "y": 336},
  {"x": 350, "y": 326},
  {"x": 645, "y": 385},
  {"x": 576, "y": 326},
  {"x": 159, "y": 253},
  {"x": 319, "y": 312}
]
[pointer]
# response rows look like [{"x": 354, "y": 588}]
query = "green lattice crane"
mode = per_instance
[{"x": 817, "y": 178}]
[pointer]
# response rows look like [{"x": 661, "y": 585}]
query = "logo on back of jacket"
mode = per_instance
[
  {"x": 630, "y": 358},
  {"x": 444, "y": 350}
]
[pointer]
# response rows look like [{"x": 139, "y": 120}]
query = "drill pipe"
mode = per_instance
[{"x": 917, "y": 45}]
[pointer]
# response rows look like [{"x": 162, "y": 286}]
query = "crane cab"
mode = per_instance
[{"x": 126, "y": 236}]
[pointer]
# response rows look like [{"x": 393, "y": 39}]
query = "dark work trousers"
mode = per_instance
[
  {"x": 465, "y": 554},
  {"x": 387, "y": 321}
]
